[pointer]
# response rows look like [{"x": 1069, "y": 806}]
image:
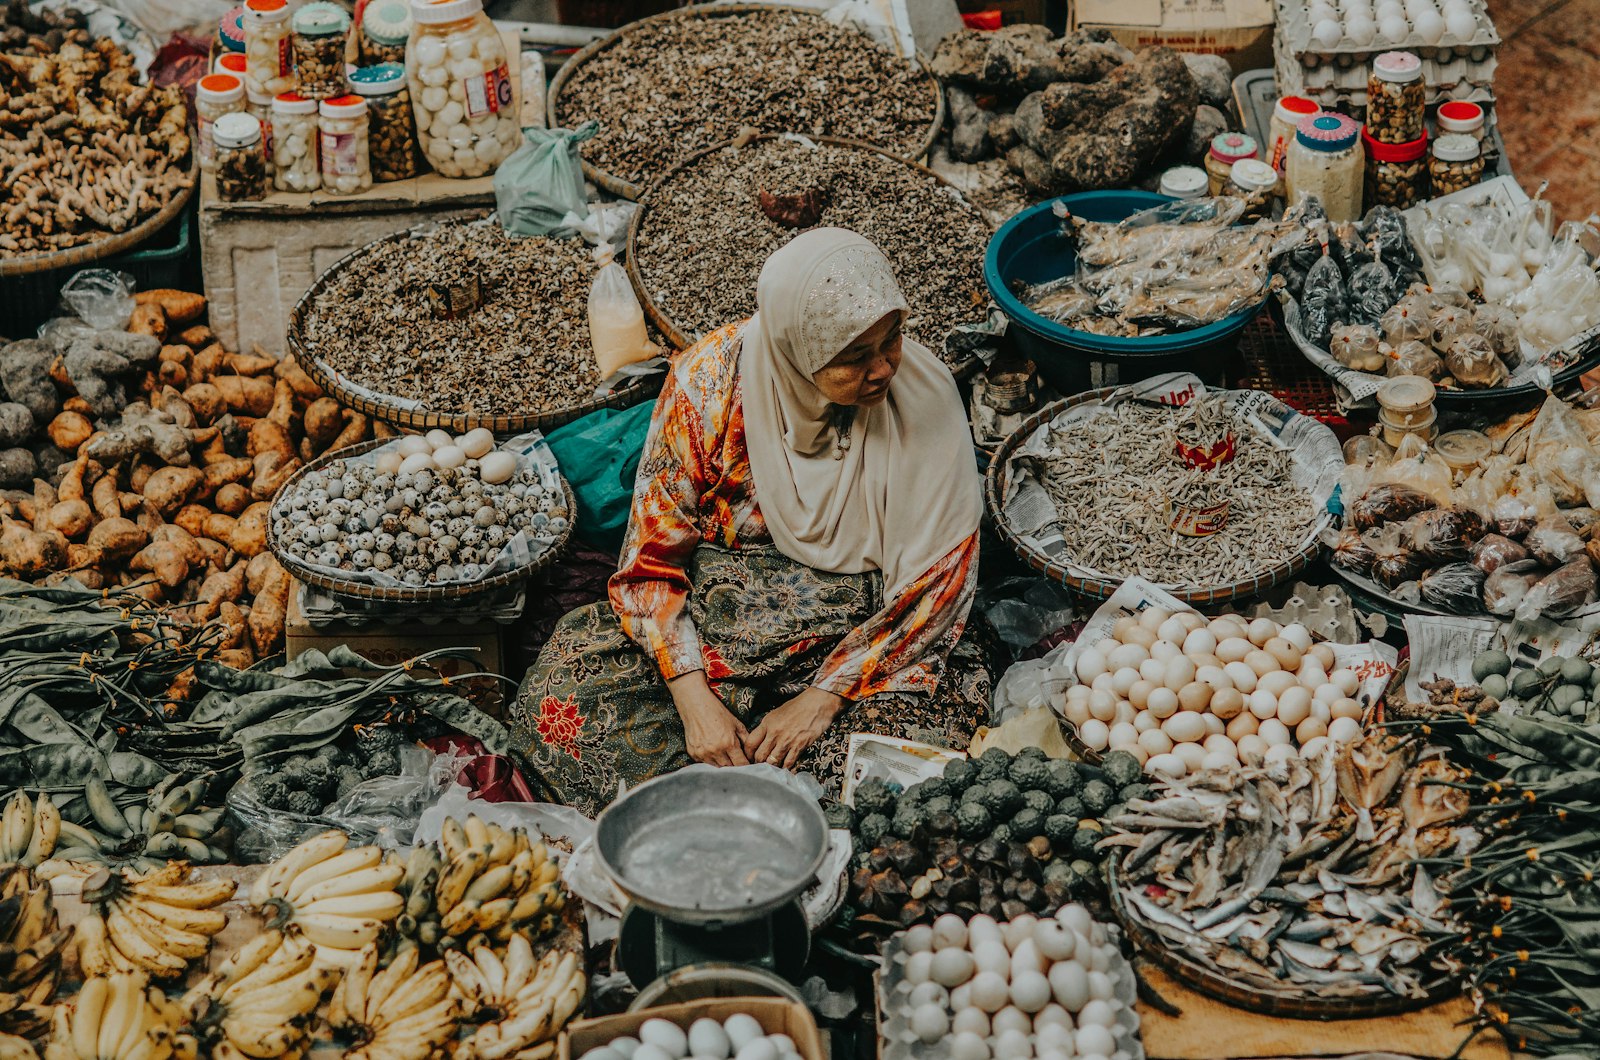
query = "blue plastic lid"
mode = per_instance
[
  {"x": 379, "y": 80},
  {"x": 1327, "y": 132}
]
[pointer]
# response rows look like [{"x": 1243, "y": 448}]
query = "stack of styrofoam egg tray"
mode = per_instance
[{"x": 1324, "y": 48}]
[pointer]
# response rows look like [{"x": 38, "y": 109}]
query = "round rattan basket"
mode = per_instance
[
  {"x": 114, "y": 243},
  {"x": 658, "y": 318},
  {"x": 994, "y": 485},
  {"x": 366, "y": 590},
  {"x": 1307, "y": 1006},
  {"x": 400, "y": 412},
  {"x": 628, "y": 189}
]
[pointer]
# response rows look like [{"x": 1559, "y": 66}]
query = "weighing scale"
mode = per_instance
[{"x": 651, "y": 945}]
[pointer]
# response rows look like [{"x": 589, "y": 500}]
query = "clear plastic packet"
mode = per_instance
[
  {"x": 101, "y": 298},
  {"x": 1384, "y": 229},
  {"x": 1323, "y": 300},
  {"x": 1491, "y": 552},
  {"x": 1348, "y": 247},
  {"x": 1388, "y": 503},
  {"x": 1505, "y": 589},
  {"x": 1447, "y": 322},
  {"x": 1356, "y": 346},
  {"x": 1498, "y": 327},
  {"x": 1471, "y": 362},
  {"x": 1561, "y": 592},
  {"x": 1442, "y": 535},
  {"x": 1455, "y": 587},
  {"x": 1353, "y": 552},
  {"x": 1372, "y": 292},
  {"x": 1393, "y": 563},
  {"x": 1414, "y": 358},
  {"x": 617, "y": 331},
  {"x": 1583, "y": 519},
  {"x": 1408, "y": 320},
  {"x": 1553, "y": 542},
  {"x": 1449, "y": 294},
  {"x": 1561, "y": 457}
]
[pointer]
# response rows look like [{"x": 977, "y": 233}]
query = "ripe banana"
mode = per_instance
[
  {"x": 529, "y": 1006},
  {"x": 170, "y": 824},
  {"x": 402, "y": 1013},
  {"x": 339, "y": 899},
  {"x": 28, "y": 829},
  {"x": 31, "y": 950},
  {"x": 260, "y": 1001},
  {"x": 156, "y": 922},
  {"x": 116, "y": 1017}
]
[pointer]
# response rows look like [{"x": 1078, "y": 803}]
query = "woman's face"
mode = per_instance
[{"x": 862, "y": 371}]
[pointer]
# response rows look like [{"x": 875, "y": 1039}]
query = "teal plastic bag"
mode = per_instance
[
  {"x": 599, "y": 455},
  {"x": 542, "y": 181}
]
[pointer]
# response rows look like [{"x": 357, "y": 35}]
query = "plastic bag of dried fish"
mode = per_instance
[{"x": 1561, "y": 592}]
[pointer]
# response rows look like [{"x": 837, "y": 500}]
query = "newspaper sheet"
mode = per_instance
[{"x": 903, "y": 762}]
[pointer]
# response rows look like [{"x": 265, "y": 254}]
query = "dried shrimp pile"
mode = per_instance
[{"x": 1112, "y": 477}]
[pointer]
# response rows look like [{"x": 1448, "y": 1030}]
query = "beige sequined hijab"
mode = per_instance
[{"x": 905, "y": 490}]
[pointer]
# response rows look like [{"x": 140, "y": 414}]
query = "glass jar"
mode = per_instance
[
  {"x": 1397, "y": 174},
  {"x": 1226, "y": 149},
  {"x": 1286, "y": 116},
  {"x": 294, "y": 143},
  {"x": 240, "y": 165},
  {"x": 231, "y": 63},
  {"x": 321, "y": 33},
  {"x": 1255, "y": 182},
  {"x": 346, "y": 163},
  {"x": 1184, "y": 182},
  {"x": 385, "y": 27},
  {"x": 1456, "y": 164},
  {"x": 269, "y": 66},
  {"x": 230, "y": 32},
  {"x": 1461, "y": 116},
  {"x": 1326, "y": 161},
  {"x": 1397, "y": 99},
  {"x": 214, "y": 96},
  {"x": 391, "y": 140},
  {"x": 461, "y": 88}
]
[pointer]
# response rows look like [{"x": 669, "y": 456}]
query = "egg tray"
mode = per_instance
[{"x": 896, "y": 1042}]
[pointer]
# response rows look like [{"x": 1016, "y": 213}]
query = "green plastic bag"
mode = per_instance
[
  {"x": 542, "y": 182},
  {"x": 599, "y": 456}
]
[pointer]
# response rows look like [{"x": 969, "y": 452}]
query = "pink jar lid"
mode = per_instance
[
  {"x": 1399, "y": 67},
  {"x": 1230, "y": 147},
  {"x": 1327, "y": 132}
]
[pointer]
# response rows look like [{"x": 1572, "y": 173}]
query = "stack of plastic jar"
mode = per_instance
[
  {"x": 231, "y": 63},
  {"x": 1462, "y": 116},
  {"x": 1184, "y": 182},
  {"x": 294, "y": 143},
  {"x": 461, "y": 88},
  {"x": 269, "y": 67},
  {"x": 1397, "y": 174},
  {"x": 241, "y": 168},
  {"x": 1287, "y": 114},
  {"x": 346, "y": 163},
  {"x": 1326, "y": 161},
  {"x": 385, "y": 27},
  {"x": 1226, "y": 149},
  {"x": 390, "y": 139},
  {"x": 321, "y": 32},
  {"x": 1397, "y": 100},
  {"x": 214, "y": 96},
  {"x": 1456, "y": 165}
]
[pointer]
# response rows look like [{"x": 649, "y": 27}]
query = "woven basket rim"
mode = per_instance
[
  {"x": 368, "y": 591},
  {"x": 631, "y": 190},
  {"x": 114, "y": 243},
  {"x": 1102, "y": 588},
  {"x": 968, "y": 367},
  {"x": 389, "y": 409}
]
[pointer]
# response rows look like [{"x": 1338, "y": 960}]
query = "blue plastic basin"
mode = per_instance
[{"x": 1031, "y": 248}]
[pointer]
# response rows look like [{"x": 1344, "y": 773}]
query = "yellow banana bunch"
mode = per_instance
[
  {"x": 115, "y": 1017},
  {"x": 261, "y": 1001},
  {"x": 340, "y": 899},
  {"x": 28, "y": 829},
  {"x": 402, "y": 1012},
  {"x": 31, "y": 951},
  {"x": 14, "y": 1048},
  {"x": 527, "y": 1003},
  {"x": 154, "y": 922},
  {"x": 482, "y": 885}
]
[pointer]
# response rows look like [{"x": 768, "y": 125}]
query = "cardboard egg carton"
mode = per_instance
[{"x": 1337, "y": 76}]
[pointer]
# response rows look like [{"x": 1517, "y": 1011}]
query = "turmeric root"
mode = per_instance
[{"x": 180, "y": 307}]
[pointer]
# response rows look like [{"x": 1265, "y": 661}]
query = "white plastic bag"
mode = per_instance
[{"x": 616, "y": 323}]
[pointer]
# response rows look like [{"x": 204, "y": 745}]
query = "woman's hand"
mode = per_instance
[
  {"x": 787, "y": 731},
  {"x": 711, "y": 733}
]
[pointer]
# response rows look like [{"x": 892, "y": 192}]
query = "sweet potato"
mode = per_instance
[
  {"x": 106, "y": 498},
  {"x": 218, "y": 588},
  {"x": 208, "y": 362},
  {"x": 196, "y": 336},
  {"x": 172, "y": 487},
  {"x": 305, "y": 387},
  {"x": 237, "y": 658},
  {"x": 250, "y": 531},
  {"x": 180, "y": 307},
  {"x": 216, "y": 452},
  {"x": 44, "y": 499},
  {"x": 217, "y": 553},
  {"x": 284, "y": 404},
  {"x": 268, "y": 612},
  {"x": 116, "y": 539},
  {"x": 384, "y": 430},
  {"x": 267, "y": 436},
  {"x": 232, "y": 498},
  {"x": 69, "y": 430},
  {"x": 144, "y": 587},
  {"x": 192, "y": 517},
  {"x": 249, "y": 364},
  {"x": 171, "y": 373},
  {"x": 72, "y": 486},
  {"x": 169, "y": 401},
  {"x": 220, "y": 527},
  {"x": 78, "y": 405},
  {"x": 139, "y": 474},
  {"x": 262, "y": 568},
  {"x": 232, "y": 620},
  {"x": 71, "y": 519},
  {"x": 245, "y": 394},
  {"x": 25, "y": 552},
  {"x": 164, "y": 559},
  {"x": 272, "y": 471},
  {"x": 355, "y": 430},
  {"x": 186, "y": 542},
  {"x": 148, "y": 319},
  {"x": 225, "y": 472},
  {"x": 207, "y": 402},
  {"x": 324, "y": 419}
]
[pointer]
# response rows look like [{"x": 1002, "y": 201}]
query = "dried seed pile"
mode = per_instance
[
  {"x": 525, "y": 349},
  {"x": 677, "y": 86},
  {"x": 704, "y": 236},
  {"x": 1111, "y": 476}
]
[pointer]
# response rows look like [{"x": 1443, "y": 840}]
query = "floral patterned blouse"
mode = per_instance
[{"x": 695, "y": 487}]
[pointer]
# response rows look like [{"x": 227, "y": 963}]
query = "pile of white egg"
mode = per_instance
[
  {"x": 1033, "y": 987},
  {"x": 739, "y": 1037},
  {"x": 439, "y": 449},
  {"x": 1181, "y": 693},
  {"x": 1391, "y": 22}
]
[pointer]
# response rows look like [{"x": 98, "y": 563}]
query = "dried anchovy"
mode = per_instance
[
  {"x": 1111, "y": 475},
  {"x": 704, "y": 236},
  {"x": 526, "y": 349},
  {"x": 782, "y": 71}
]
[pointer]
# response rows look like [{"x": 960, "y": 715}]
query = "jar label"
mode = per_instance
[
  {"x": 1280, "y": 154},
  {"x": 339, "y": 157},
  {"x": 285, "y": 58},
  {"x": 266, "y": 139},
  {"x": 489, "y": 92}
]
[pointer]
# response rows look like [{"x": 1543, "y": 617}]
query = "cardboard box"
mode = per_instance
[
  {"x": 776, "y": 1016},
  {"x": 1238, "y": 30}
]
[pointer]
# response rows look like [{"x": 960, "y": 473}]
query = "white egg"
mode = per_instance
[
  {"x": 1390, "y": 9},
  {"x": 981, "y": 931},
  {"x": 1052, "y": 1015},
  {"x": 1155, "y": 741},
  {"x": 993, "y": 957},
  {"x": 1192, "y": 755},
  {"x": 476, "y": 442},
  {"x": 1394, "y": 29},
  {"x": 438, "y": 439},
  {"x": 648, "y": 1051},
  {"x": 949, "y": 930},
  {"x": 1017, "y": 932},
  {"x": 1091, "y": 664},
  {"x": 1313, "y": 747},
  {"x": 1030, "y": 991},
  {"x": 919, "y": 969},
  {"x": 1294, "y": 706},
  {"x": 1233, "y": 650},
  {"x": 971, "y": 1021},
  {"x": 1144, "y": 721},
  {"x": 918, "y": 939},
  {"x": 968, "y": 1046},
  {"x": 1165, "y": 650},
  {"x": 1186, "y": 726},
  {"x": 1012, "y": 1045},
  {"x": 990, "y": 991},
  {"x": 664, "y": 1035},
  {"x": 1154, "y": 671},
  {"x": 1173, "y": 629},
  {"x": 1166, "y": 765},
  {"x": 1461, "y": 25},
  {"x": 1214, "y": 676},
  {"x": 1347, "y": 708},
  {"x": 1152, "y": 617},
  {"x": 1102, "y": 705},
  {"x": 923, "y": 993},
  {"x": 784, "y": 1043},
  {"x": 1011, "y": 1018},
  {"x": 1279, "y": 754},
  {"x": 604, "y": 1052},
  {"x": 1218, "y": 760},
  {"x": 416, "y": 462},
  {"x": 708, "y": 1039},
  {"x": 952, "y": 967},
  {"x": 1251, "y": 748},
  {"x": 449, "y": 456},
  {"x": 1180, "y": 671},
  {"x": 1344, "y": 730},
  {"x": 1262, "y": 630},
  {"x": 1295, "y": 632},
  {"x": 1094, "y": 1040},
  {"x": 624, "y": 1046},
  {"x": 1215, "y": 726},
  {"x": 389, "y": 463},
  {"x": 961, "y": 997},
  {"x": 1328, "y": 32},
  {"x": 1069, "y": 983},
  {"x": 1125, "y": 713},
  {"x": 1312, "y": 728},
  {"x": 928, "y": 1022},
  {"x": 497, "y": 467},
  {"x": 1055, "y": 942},
  {"x": 1263, "y": 704},
  {"x": 1095, "y": 734},
  {"x": 413, "y": 443},
  {"x": 1123, "y": 680},
  {"x": 1273, "y": 731},
  {"x": 1244, "y": 679},
  {"x": 1346, "y": 680},
  {"x": 1163, "y": 702},
  {"x": 1245, "y": 724},
  {"x": 1199, "y": 642},
  {"x": 1123, "y": 735},
  {"x": 1319, "y": 10},
  {"x": 1277, "y": 682}
]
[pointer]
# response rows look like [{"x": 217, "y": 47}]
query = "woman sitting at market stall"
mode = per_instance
[{"x": 801, "y": 556}]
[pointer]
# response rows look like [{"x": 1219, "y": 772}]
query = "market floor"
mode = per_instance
[{"x": 1547, "y": 89}]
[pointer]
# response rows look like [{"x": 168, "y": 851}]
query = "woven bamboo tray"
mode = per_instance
[
  {"x": 367, "y": 591},
  {"x": 399, "y": 412},
  {"x": 628, "y": 189},
  {"x": 1308, "y": 1006},
  {"x": 1102, "y": 588},
  {"x": 115, "y": 243},
  {"x": 658, "y": 318}
]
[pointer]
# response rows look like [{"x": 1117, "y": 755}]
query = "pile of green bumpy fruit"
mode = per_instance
[
  {"x": 1561, "y": 686},
  {"x": 1001, "y": 834}
]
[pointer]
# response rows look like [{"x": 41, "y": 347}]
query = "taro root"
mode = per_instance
[{"x": 798, "y": 210}]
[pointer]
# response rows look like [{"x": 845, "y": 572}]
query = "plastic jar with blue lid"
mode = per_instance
[{"x": 1327, "y": 161}]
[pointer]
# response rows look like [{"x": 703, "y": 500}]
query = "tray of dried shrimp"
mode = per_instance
[{"x": 1213, "y": 495}]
